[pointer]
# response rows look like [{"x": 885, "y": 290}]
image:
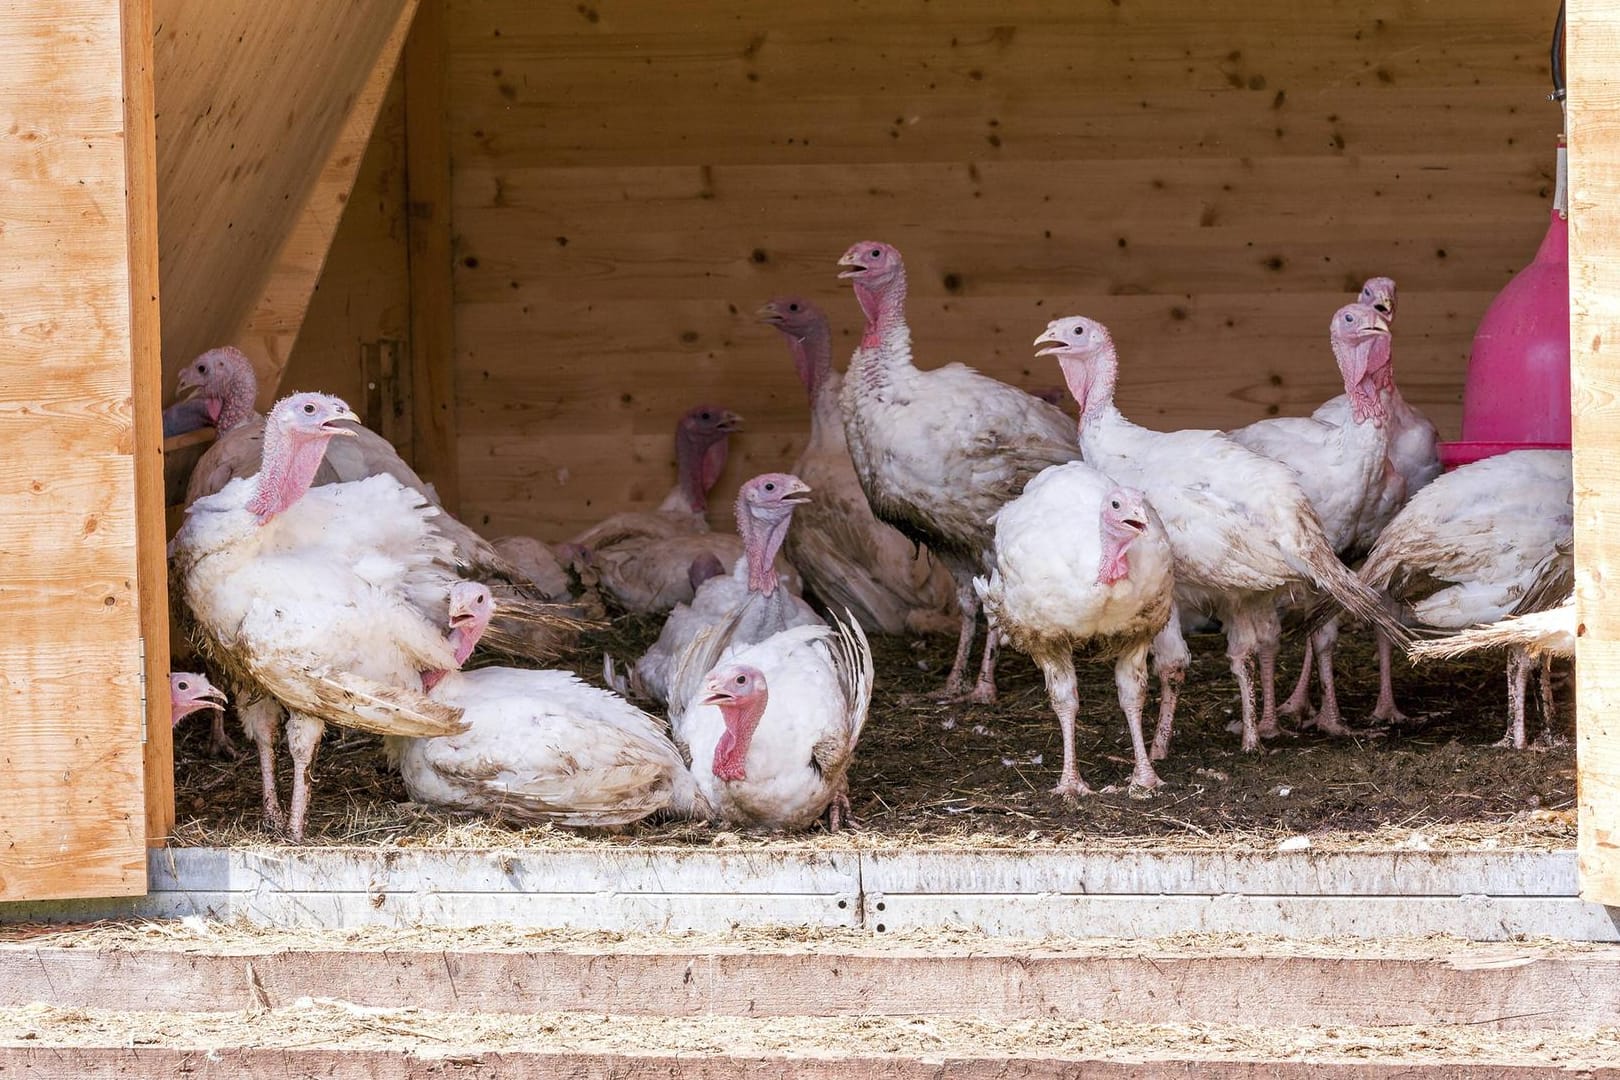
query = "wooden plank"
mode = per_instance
[
  {"x": 43, "y": 1061},
  {"x": 75, "y": 333},
  {"x": 1495, "y": 988},
  {"x": 362, "y": 301},
  {"x": 251, "y": 99},
  {"x": 432, "y": 359},
  {"x": 269, "y": 331},
  {"x": 140, "y": 153},
  {"x": 1594, "y": 279}
]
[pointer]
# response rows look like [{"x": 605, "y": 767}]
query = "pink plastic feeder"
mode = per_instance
[{"x": 1516, "y": 396}]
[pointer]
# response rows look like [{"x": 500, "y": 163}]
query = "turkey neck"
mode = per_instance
[
  {"x": 1091, "y": 380},
  {"x": 698, "y": 466},
  {"x": 1364, "y": 364},
  {"x": 286, "y": 470},
  {"x": 1115, "y": 564},
  {"x": 731, "y": 750},
  {"x": 236, "y": 404},
  {"x": 812, "y": 358},
  {"x": 886, "y": 345},
  {"x": 762, "y": 538}
]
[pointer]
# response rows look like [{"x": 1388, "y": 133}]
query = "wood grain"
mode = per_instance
[
  {"x": 1594, "y": 279},
  {"x": 629, "y": 185},
  {"x": 270, "y": 328},
  {"x": 76, "y": 326},
  {"x": 429, "y": 197},
  {"x": 251, "y": 99},
  {"x": 140, "y": 143}
]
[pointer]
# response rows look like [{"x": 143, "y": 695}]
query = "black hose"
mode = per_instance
[{"x": 1558, "y": 56}]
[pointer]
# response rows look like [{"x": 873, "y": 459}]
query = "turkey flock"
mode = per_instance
[{"x": 320, "y": 582}]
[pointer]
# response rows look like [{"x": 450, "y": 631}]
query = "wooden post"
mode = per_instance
[
  {"x": 427, "y": 201},
  {"x": 79, "y": 500},
  {"x": 140, "y": 154},
  {"x": 1594, "y": 282}
]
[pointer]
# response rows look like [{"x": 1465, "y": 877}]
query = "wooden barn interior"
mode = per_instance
[{"x": 522, "y": 238}]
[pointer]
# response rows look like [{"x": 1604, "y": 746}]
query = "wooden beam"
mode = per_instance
[
  {"x": 1594, "y": 285},
  {"x": 140, "y": 154},
  {"x": 251, "y": 100},
  {"x": 270, "y": 328},
  {"x": 428, "y": 196},
  {"x": 75, "y": 330}
]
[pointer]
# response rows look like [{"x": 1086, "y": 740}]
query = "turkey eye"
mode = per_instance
[
  {"x": 202, "y": 369},
  {"x": 309, "y": 408},
  {"x": 1115, "y": 504},
  {"x": 741, "y": 679},
  {"x": 793, "y": 307},
  {"x": 770, "y": 487},
  {"x": 705, "y": 416},
  {"x": 183, "y": 685},
  {"x": 876, "y": 254}
]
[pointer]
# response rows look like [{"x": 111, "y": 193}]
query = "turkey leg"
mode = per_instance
[
  {"x": 1130, "y": 676},
  {"x": 1385, "y": 709},
  {"x": 260, "y": 717},
  {"x": 303, "y": 738},
  {"x": 1065, "y": 698}
]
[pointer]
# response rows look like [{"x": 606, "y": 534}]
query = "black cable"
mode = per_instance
[{"x": 1558, "y": 56}]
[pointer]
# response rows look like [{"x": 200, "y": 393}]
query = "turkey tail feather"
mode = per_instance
[
  {"x": 1346, "y": 591},
  {"x": 354, "y": 701}
]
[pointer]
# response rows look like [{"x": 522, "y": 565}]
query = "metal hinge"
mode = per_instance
[{"x": 143, "y": 690}]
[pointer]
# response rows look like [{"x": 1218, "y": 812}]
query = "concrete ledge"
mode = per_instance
[
  {"x": 1486, "y": 896},
  {"x": 108, "y": 1063},
  {"x": 1502, "y": 988}
]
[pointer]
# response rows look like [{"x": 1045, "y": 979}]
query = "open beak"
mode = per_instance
[
  {"x": 855, "y": 267},
  {"x": 1139, "y": 524},
  {"x": 346, "y": 414},
  {"x": 767, "y": 313},
  {"x": 1380, "y": 325},
  {"x": 1057, "y": 343},
  {"x": 461, "y": 618},
  {"x": 729, "y": 422},
  {"x": 212, "y": 698},
  {"x": 796, "y": 496},
  {"x": 713, "y": 694}
]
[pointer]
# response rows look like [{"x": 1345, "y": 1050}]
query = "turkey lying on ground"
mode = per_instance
[
  {"x": 1242, "y": 531},
  {"x": 1082, "y": 564},
  {"x": 850, "y": 559},
  {"x": 939, "y": 451},
  {"x": 751, "y": 601},
  {"x": 771, "y": 728},
  {"x": 541, "y": 745},
  {"x": 320, "y": 600}
]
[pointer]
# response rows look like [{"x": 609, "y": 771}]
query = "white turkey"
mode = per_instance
[
  {"x": 939, "y": 451},
  {"x": 1343, "y": 465},
  {"x": 751, "y": 601},
  {"x": 189, "y": 693},
  {"x": 1491, "y": 539},
  {"x": 541, "y": 745},
  {"x": 530, "y": 627},
  {"x": 1081, "y": 563},
  {"x": 771, "y": 728},
  {"x": 319, "y": 599},
  {"x": 849, "y": 558},
  {"x": 1241, "y": 530}
]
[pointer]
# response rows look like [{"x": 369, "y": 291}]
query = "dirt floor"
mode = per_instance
[{"x": 1437, "y": 781}]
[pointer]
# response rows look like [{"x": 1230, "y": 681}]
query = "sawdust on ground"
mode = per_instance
[{"x": 1436, "y": 782}]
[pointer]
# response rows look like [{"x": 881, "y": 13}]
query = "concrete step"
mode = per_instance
[
  {"x": 340, "y": 1041},
  {"x": 203, "y": 967}
]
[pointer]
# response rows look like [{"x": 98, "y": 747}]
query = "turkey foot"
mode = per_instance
[
  {"x": 1385, "y": 710},
  {"x": 1298, "y": 703},
  {"x": 1331, "y": 723},
  {"x": 219, "y": 743},
  {"x": 839, "y": 814},
  {"x": 984, "y": 691},
  {"x": 1072, "y": 787}
]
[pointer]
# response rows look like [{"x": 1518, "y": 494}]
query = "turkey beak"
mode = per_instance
[
  {"x": 1051, "y": 337},
  {"x": 768, "y": 314},
  {"x": 729, "y": 423},
  {"x": 796, "y": 495},
  {"x": 346, "y": 414},
  {"x": 1138, "y": 523},
  {"x": 854, "y": 264},
  {"x": 715, "y": 694},
  {"x": 1380, "y": 325},
  {"x": 213, "y": 698}
]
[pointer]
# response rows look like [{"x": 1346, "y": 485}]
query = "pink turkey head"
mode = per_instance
[
  {"x": 878, "y": 274},
  {"x": 1379, "y": 292},
  {"x": 295, "y": 438},
  {"x": 809, "y": 336},
  {"x": 225, "y": 380},
  {"x": 702, "y": 443},
  {"x": 765, "y": 508},
  {"x": 1085, "y": 351},
  {"x": 740, "y": 693},
  {"x": 1125, "y": 516},
  {"x": 471, "y": 608},
  {"x": 189, "y": 692},
  {"x": 1361, "y": 344}
]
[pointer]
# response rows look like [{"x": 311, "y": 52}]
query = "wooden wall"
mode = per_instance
[{"x": 1212, "y": 179}]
